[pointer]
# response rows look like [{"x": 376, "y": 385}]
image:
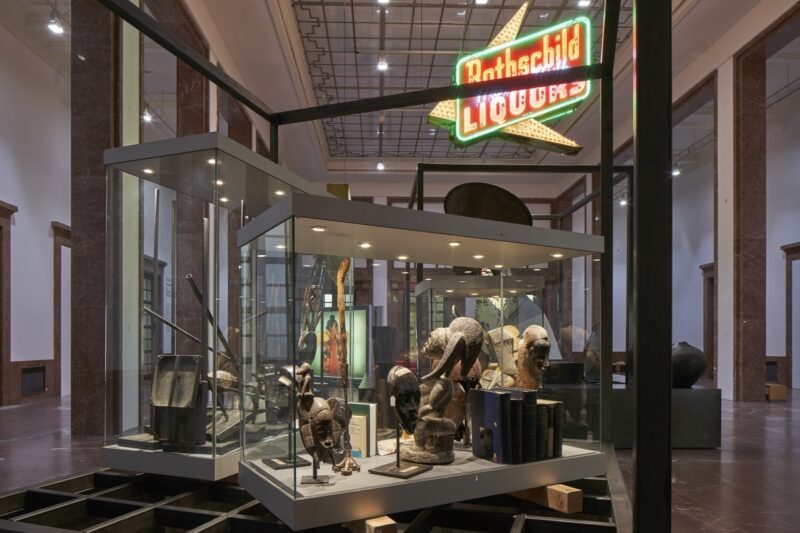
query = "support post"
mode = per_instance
[
  {"x": 652, "y": 263},
  {"x": 610, "y": 24},
  {"x": 274, "y": 142}
]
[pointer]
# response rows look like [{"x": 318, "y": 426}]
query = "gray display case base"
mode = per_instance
[
  {"x": 188, "y": 465},
  {"x": 696, "y": 418},
  {"x": 364, "y": 495}
]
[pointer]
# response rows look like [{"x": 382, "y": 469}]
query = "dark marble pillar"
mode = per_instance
[
  {"x": 93, "y": 129},
  {"x": 750, "y": 223}
]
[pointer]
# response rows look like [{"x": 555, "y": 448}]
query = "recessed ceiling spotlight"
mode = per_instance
[
  {"x": 536, "y": 270},
  {"x": 383, "y": 1},
  {"x": 375, "y": 265},
  {"x": 380, "y": 166},
  {"x": 261, "y": 256},
  {"x": 462, "y": 13},
  {"x": 513, "y": 292},
  {"x": 279, "y": 193},
  {"x": 544, "y": 15},
  {"x": 146, "y": 116},
  {"x": 55, "y": 25},
  {"x": 432, "y": 131},
  {"x": 481, "y": 2},
  {"x": 584, "y": 3},
  {"x": 556, "y": 256},
  {"x": 81, "y": 57},
  {"x": 477, "y": 256},
  {"x": 428, "y": 279},
  {"x": 219, "y": 182},
  {"x": 519, "y": 281},
  {"x": 462, "y": 281},
  {"x": 676, "y": 172},
  {"x": 280, "y": 246},
  {"x": 623, "y": 203},
  {"x": 453, "y": 244},
  {"x": 404, "y": 272},
  {"x": 365, "y": 245},
  {"x": 319, "y": 229},
  {"x": 382, "y": 63},
  {"x": 223, "y": 199},
  {"x": 306, "y": 266},
  {"x": 402, "y": 257},
  {"x": 148, "y": 171},
  {"x": 498, "y": 266},
  {"x": 473, "y": 294},
  {"x": 468, "y": 272},
  {"x": 596, "y": 259},
  {"x": 212, "y": 161},
  {"x": 448, "y": 290}
]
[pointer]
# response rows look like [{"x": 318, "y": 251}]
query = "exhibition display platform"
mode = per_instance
[{"x": 363, "y": 495}]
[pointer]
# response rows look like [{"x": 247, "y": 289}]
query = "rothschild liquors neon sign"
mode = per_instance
[{"x": 518, "y": 115}]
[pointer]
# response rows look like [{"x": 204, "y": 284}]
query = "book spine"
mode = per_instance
[
  {"x": 558, "y": 428},
  {"x": 529, "y": 429},
  {"x": 505, "y": 428},
  {"x": 541, "y": 431},
  {"x": 550, "y": 428},
  {"x": 516, "y": 430}
]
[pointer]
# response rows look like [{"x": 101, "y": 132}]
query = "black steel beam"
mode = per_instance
[
  {"x": 610, "y": 23},
  {"x": 652, "y": 263},
  {"x": 274, "y": 142},
  {"x": 519, "y": 169},
  {"x": 140, "y": 20},
  {"x": 437, "y": 94}
]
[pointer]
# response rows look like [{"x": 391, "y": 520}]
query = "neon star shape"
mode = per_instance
[{"x": 530, "y": 132}]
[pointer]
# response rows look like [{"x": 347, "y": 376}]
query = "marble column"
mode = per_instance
[
  {"x": 93, "y": 129},
  {"x": 749, "y": 227}
]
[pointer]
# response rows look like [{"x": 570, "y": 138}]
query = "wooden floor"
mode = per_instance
[
  {"x": 36, "y": 444},
  {"x": 750, "y": 485}
]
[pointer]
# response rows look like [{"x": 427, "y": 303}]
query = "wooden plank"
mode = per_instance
[{"x": 562, "y": 498}]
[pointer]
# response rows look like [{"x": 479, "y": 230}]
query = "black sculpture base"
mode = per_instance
[
  {"x": 311, "y": 480},
  {"x": 280, "y": 463},
  {"x": 405, "y": 471}
]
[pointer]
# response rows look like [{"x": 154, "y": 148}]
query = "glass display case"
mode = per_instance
[
  {"x": 334, "y": 430},
  {"x": 173, "y": 323}
]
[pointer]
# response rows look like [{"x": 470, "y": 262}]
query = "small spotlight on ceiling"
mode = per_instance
[
  {"x": 481, "y": 2},
  {"x": 404, "y": 272},
  {"x": 468, "y": 272},
  {"x": 261, "y": 256},
  {"x": 676, "y": 172},
  {"x": 498, "y": 266},
  {"x": 146, "y": 116},
  {"x": 473, "y": 294},
  {"x": 556, "y": 256},
  {"x": 544, "y": 15},
  {"x": 623, "y": 203},
  {"x": 536, "y": 270},
  {"x": 596, "y": 259},
  {"x": 382, "y": 63},
  {"x": 280, "y": 246},
  {"x": 477, "y": 256},
  {"x": 383, "y": 1},
  {"x": 148, "y": 171},
  {"x": 319, "y": 229},
  {"x": 453, "y": 244},
  {"x": 219, "y": 182},
  {"x": 279, "y": 193},
  {"x": 448, "y": 290},
  {"x": 461, "y": 13},
  {"x": 584, "y": 3},
  {"x": 428, "y": 279},
  {"x": 462, "y": 281},
  {"x": 223, "y": 199},
  {"x": 380, "y": 166},
  {"x": 212, "y": 161},
  {"x": 376, "y": 265},
  {"x": 365, "y": 245},
  {"x": 513, "y": 292},
  {"x": 55, "y": 26},
  {"x": 402, "y": 257}
]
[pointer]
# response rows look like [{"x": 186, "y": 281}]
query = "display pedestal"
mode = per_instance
[
  {"x": 279, "y": 463},
  {"x": 189, "y": 465},
  {"x": 364, "y": 495}
]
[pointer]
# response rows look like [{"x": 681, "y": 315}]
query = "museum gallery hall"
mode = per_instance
[{"x": 380, "y": 266}]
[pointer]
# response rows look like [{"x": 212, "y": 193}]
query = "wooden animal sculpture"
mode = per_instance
[
  {"x": 464, "y": 369},
  {"x": 434, "y": 433},
  {"x": 534, "y": 353}
]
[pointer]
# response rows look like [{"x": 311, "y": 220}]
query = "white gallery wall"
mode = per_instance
[
  {"x": 783, "y": 213},
  {"x": 692, "y": 243},
  {"x": 34, "y": 176}
]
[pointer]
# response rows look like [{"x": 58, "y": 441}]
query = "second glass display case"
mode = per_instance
[{"x": 338, "y": 428}]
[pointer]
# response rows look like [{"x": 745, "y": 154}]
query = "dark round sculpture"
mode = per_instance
[
  {"x": 483, "y": 200},
  {"x": 688, "y": 364}
]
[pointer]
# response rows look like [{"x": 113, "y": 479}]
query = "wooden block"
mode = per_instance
[
  {"x": 381, "y": 524},
  {"x": 776, "y": 392},
  {"x": 562, "y": 498}
]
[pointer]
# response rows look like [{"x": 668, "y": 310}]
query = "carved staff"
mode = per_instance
[{"x": 347, "y": 464}]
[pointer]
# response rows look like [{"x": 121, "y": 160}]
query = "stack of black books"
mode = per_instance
[{"x": 510, "y": 426}]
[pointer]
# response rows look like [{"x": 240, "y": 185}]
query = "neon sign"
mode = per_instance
[{"x": 517, "y": 115}]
